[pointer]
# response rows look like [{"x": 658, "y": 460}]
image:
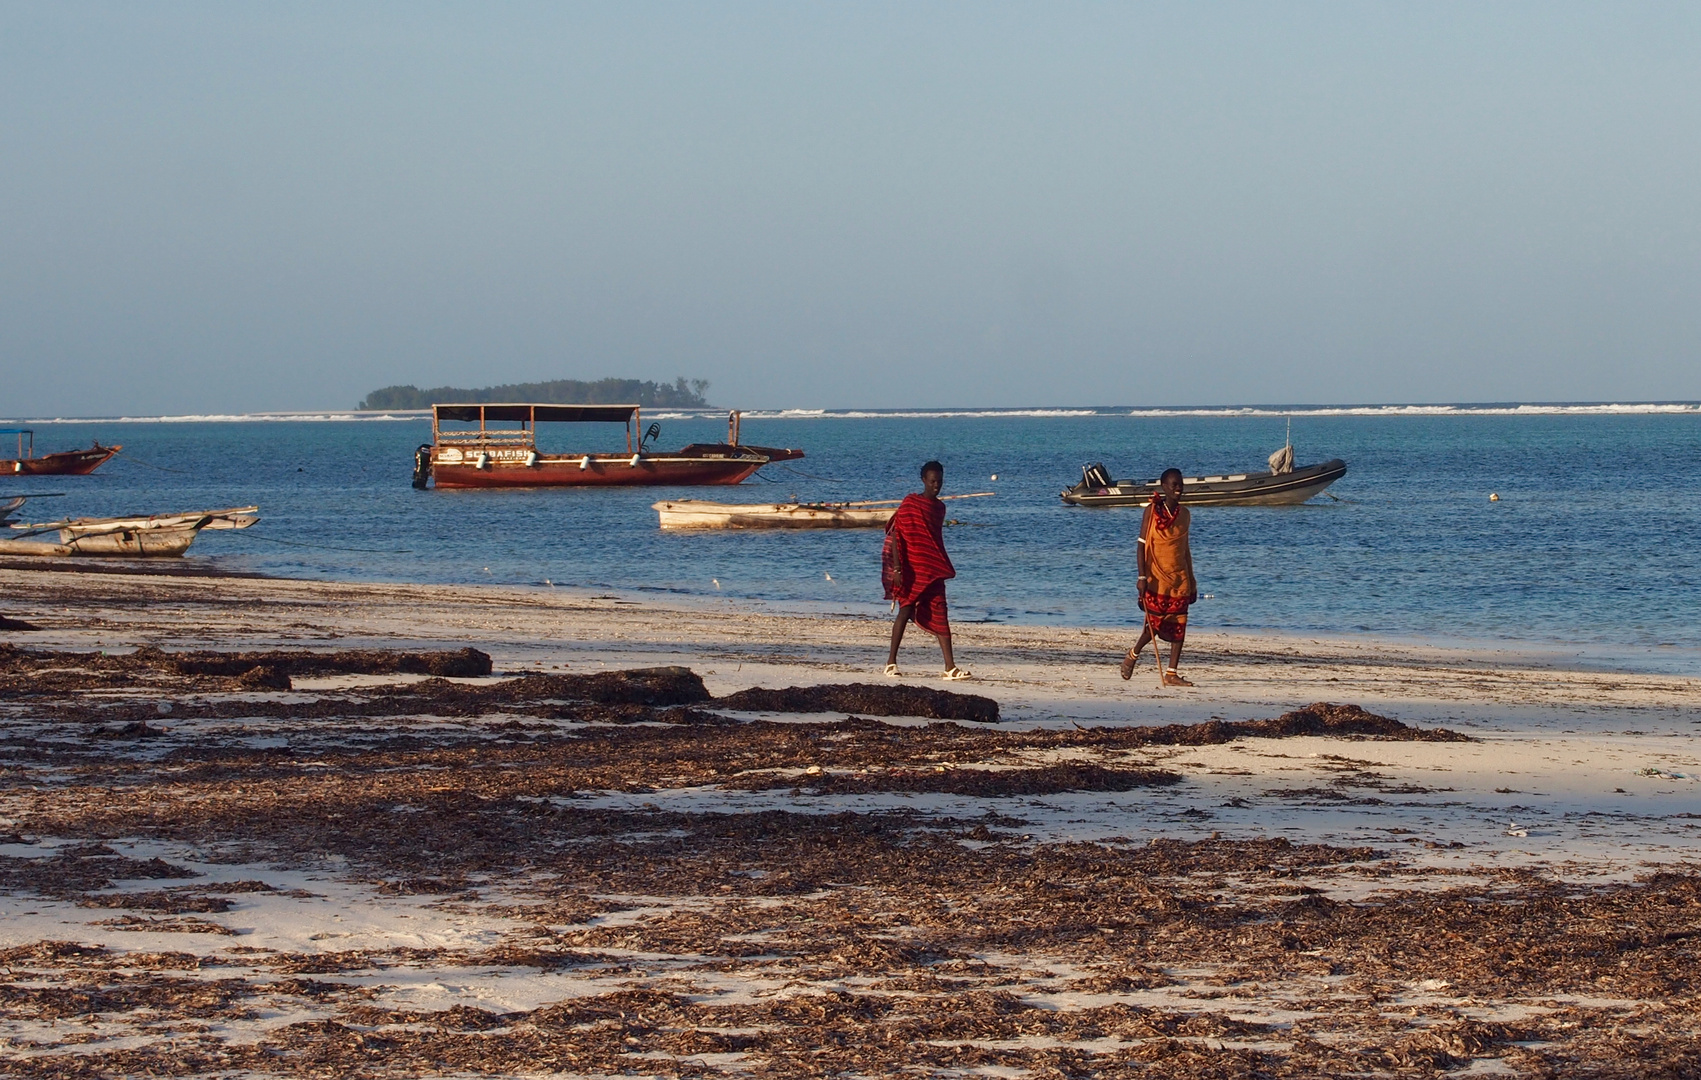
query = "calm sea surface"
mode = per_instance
[{"x": 1596, "y": 539}]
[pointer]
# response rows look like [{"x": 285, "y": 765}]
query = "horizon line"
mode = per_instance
[{"x": 1674, "y": 406}]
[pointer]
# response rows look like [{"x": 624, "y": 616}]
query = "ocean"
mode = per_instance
[{"x": 1592, "y": 546}]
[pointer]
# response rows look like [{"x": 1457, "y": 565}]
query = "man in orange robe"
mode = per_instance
[
  {"x": 1166, "y": 584},
  {"x": 914, "y": 569}
]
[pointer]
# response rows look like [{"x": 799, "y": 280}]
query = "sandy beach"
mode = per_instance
[{"x": 292, "y": 871}]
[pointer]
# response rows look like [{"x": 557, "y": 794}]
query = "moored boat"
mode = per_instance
[
  {"x": 702, "y": 514},
  {"x": 1271, "y": 488},
  {"x": 63, "y": 463},
  {"x": 508, "y": 456},
  {"x": 150, "y": 536}
]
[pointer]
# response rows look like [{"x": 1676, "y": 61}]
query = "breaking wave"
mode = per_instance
[
  {"x": 239, "y": 418},
  {"x": 1203, "y": 411},
  {"x": 911, "y": 414},
  {"x": 1542, "y": 409},
  {"x": 1228, "y": 411}
]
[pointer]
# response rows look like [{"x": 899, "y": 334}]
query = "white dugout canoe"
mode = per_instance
[{"x": 701, "y": 514}]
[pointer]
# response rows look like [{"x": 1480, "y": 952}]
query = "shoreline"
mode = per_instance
[
  {"x": 368, "y": 610},
  {"x": 1670, "y": 660},
  {"x": 1587, "y": 735}
]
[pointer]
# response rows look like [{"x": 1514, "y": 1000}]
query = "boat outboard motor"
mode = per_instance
[
  {"x": 422, "y": 465},
  {"x": 1095, "y": 476}
]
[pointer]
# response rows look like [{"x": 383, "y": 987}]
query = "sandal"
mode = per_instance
[
  {"x": 892, "y": 671},
  {"x": 1128, "y": 661},
  {"x": 1172, "y": 679},
  {"x": 954, "y": 674}
]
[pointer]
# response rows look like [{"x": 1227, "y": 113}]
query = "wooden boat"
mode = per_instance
[
  {"x": 152, "y": 536},
  {"x": 1270, "y": 488},
  {"x": 508, "y": 456},
  {"x": 701, "y": 514},
  {"x": 64, "y": 463}
]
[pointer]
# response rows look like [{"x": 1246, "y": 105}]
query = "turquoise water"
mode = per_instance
[{"x": 1594, "y": 539}]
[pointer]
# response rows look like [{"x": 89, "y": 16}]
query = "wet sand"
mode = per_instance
[{"x": 390, "y": 873}]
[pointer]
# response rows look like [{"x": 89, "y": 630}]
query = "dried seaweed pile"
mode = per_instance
[
  {"x": 867, "y": 700},
  {"x": 33, "y": 672},
  {"x": 748, "y": 940}
]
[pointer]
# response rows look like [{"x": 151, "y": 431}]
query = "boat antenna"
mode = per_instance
[{"x": 1281, "y": 461}]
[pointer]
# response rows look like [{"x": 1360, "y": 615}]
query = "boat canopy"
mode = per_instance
[{"x": 480, "y": 414}]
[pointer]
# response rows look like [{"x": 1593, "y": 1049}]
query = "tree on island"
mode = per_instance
[{"x": 682, "y": 393}]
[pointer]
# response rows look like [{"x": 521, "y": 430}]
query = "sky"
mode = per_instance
[{"x": 238, "y": 207}]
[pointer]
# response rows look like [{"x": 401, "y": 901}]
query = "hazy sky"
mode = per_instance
[{"x": 222, "y": 207}]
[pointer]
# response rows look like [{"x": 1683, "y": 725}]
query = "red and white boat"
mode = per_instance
[
  {"x": 64, "y": 463},
  {"x": 502, "y": 451}
]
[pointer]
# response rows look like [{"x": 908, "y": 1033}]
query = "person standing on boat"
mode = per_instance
[
  {"x": 914, "y": 569},
  {"x": 1166, "y": 584}
]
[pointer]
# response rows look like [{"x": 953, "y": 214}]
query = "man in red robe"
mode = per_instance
[{"x": 914, "y": 568}]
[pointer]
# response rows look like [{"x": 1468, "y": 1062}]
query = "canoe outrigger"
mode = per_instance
[
  {"x": 508, "y": 456},
  {"x": 701, "y": 514},
  {"x": 64, "y": 463},
  {"x": 151, "y": 536}
]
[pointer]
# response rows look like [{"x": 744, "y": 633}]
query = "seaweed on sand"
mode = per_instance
[
  {"x": 859, "y": 943},
  {"x": 866, "y": 699}
]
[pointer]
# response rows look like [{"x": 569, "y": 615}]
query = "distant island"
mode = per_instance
[{"x": 680, "y": 394}]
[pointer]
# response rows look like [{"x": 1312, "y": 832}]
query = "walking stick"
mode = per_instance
[{"x": 1146, "y": 616}]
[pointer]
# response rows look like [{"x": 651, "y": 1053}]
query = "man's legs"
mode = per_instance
[
  {"x": 1178, "y": 631},
  {"x": 1170, "y": 677},
  {"x": 1147, "y": 630},
  {"x": 1145, "y": 636},
  {"x": 898, "y": 625},
  {"x": 1133, "y": 655},
  {"x": 928, "y": 611}
]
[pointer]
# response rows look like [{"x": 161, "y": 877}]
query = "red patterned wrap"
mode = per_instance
[{"x": 914, "y": 566}]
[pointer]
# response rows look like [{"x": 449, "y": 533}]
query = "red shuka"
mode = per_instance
[{"x": 914, "y": 566}]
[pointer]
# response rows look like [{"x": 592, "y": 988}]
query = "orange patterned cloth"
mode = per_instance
[
  {"x": 1170, "y": 588},
  {"x": 1168, "y": 627}
]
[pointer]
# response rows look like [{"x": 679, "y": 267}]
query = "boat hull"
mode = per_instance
[
  {"x": 1248, "y": 489},
  {"x": 508, "y": 468},
  {"x": 506, "y": 455},
  {"x": 160, "y": 536},
  {"x": 67, "y": 463},
  {"x": 701, "y": 514},
  {"x": 138, "y": 544}
]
